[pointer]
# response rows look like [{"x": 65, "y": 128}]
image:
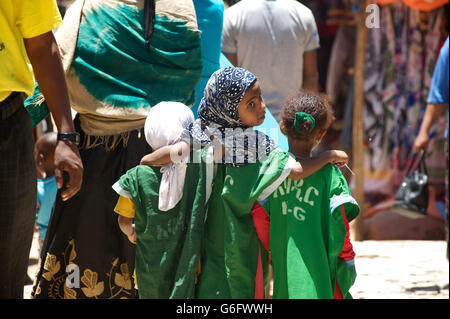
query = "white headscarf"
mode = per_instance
[{"x": 164, "y": 126}]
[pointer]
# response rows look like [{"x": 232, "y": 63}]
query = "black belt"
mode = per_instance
[{"x": 11, "y": 105}]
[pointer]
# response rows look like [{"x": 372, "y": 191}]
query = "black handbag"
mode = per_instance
[{"x": 411, "y": 199}]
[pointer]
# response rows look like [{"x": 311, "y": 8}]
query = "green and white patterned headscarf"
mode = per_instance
[{"x": 117, "y": 66}]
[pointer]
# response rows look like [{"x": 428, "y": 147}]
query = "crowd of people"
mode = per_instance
[{"x": 160, "y": 186}]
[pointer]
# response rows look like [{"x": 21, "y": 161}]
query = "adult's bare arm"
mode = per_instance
[
  {"x": 43, "y": 53},
  {"x": 432, "y": 114},
  {"x": 310, "y": 73},
  {"x": 307, "y": 167},
  {"x": 232, "y": 58}
]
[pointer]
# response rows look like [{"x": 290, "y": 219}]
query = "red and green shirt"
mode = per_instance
[{"x": 307, "y": 234}]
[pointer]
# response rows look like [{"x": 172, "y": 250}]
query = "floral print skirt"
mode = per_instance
[{"x": 85, "y": 255}]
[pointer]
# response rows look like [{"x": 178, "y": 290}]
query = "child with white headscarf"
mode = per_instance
[{"x": 167, "y": 205}]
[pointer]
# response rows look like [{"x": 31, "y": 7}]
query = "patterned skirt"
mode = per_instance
[{"x": 85, "y": 255}]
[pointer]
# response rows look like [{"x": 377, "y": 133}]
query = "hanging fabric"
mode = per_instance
[
  {"x": 399, "y": 63},
  {"x": 422, "y": 5}
]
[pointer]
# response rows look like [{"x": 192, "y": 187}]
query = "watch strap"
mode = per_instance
[{"x": 73, "y": 137}]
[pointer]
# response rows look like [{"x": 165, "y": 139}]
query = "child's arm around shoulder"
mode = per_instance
[
  {"x": 309, "y": 166},
  {"x": 166, "y": 154}
]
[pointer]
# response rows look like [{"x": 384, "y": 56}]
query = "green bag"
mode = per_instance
[{"x": 36, "y": 106}]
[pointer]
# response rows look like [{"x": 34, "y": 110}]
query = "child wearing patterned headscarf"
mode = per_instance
[
  {"x": 167, "y": 206},
  {"x": 251, "y": 168},
  {"x": 233, "y": 261},
  {"x": 312, "y": 256}
]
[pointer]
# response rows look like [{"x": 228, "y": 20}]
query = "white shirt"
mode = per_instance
[{"x": 270, "y": 38}]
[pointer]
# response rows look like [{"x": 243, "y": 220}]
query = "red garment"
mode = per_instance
[
  {"x": 262, "y": 225},
  {"x": 259, "y": 280},
  {"x": 337, "y": 292},
  {"x": 347, "y": 252}
]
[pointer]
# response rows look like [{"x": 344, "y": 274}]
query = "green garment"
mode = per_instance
[
  {"x": 168, "y": 242},
  {"x": 111, "y": 75},
  {"x": 307, "y": 233},
  {"x": 230, "y": 252}
]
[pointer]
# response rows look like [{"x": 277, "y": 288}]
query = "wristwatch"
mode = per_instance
[{"x": 73, "y": 137}]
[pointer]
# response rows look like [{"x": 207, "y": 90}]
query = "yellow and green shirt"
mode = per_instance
[{"x": 168, "y": 243}]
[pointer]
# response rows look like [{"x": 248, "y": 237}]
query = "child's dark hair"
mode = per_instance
[{"x": 307, "y": 103}]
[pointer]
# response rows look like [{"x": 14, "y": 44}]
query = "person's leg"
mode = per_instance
[{"x": 17, "y": 195}]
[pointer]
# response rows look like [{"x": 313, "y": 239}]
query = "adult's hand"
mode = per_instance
[
  {"x": 43, "y": 53},
  {"x": 67, "y": 158},
  {"x": 431, "y": 116},
  {"x": 421, "y": 142}
]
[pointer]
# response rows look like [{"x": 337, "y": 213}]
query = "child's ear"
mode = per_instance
[{"x": 283, "y": 127}]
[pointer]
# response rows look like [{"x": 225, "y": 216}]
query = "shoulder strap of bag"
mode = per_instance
[
  {"x": 67, "y": 35},
  {"x": 149, "y": 12}
]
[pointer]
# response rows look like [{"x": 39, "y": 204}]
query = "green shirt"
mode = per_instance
[
  {"x": 230, "y": 253},
  {"x": 307, "y": 234},
  {"x": 168, "y": 242}
]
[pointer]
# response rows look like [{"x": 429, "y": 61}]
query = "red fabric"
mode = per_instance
[
  {"x": 337, "y": 292},
  {"x": 259, "y": 280},
  {"x": 347, "y": 252},
  {"x": 422, "y": 5},
  {"x": 262, "y": 224}
]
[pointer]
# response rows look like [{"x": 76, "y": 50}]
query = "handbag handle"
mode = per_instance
[{"x": 420, "y": 163}]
